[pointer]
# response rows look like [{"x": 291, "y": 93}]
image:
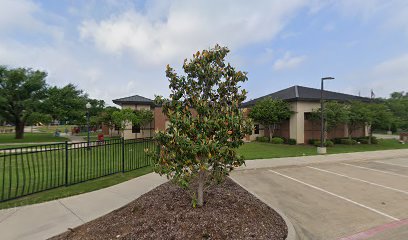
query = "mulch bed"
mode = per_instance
[{"x": 229, "y": 212}]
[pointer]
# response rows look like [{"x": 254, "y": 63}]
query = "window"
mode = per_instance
[
  {"x": 256, "y": 129},
  {"x": 135, "y": 129}
]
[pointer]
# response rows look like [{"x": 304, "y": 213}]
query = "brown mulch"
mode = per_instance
[{"x": 229, "y": 212}]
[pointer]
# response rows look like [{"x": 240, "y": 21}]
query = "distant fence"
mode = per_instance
[{"x": 32, "y": 169}]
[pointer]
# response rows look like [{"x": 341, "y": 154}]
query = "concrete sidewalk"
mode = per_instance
[{"x": 44, "y": 220}]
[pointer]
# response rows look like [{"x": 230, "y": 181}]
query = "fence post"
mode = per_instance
[
  {"x": 123, "y": 154},
  {"x": 66, "y": 163}
]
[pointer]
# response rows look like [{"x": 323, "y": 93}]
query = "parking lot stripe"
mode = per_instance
[
  {"x": 399, "y": 165},
  {"x": 335, "y": 195},
  {"x": 357, "y": 179},
  {"x": 376, "y": 170}
]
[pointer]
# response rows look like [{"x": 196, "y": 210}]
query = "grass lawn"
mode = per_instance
[
  {"x": 259, "y": 150},
  {"x": 88, "y": 186},
  {"x": 31, "y": 137}
]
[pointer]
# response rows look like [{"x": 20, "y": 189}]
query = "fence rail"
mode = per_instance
[{"x": 32, "y": 169}]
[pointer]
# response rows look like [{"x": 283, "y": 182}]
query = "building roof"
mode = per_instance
[
  {"x": 300, "y": 93},
  {"x": 136, "y": 99}
]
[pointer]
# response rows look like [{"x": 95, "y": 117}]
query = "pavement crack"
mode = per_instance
[{"x": 83, "y": 221}]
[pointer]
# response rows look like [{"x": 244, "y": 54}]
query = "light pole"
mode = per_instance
[
  {"x": 322, "y": 148},
  {"x": 88, "y": 106}
]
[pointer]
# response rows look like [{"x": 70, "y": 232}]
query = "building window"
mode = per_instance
[
  {"x": 135, "y": 129},
  {"x": 256, "y": 129}
]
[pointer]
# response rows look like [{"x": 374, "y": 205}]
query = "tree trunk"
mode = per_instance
[
  {"x": 271, "y": 132},
  {"x": 19, "y": 130},
  {"x": 200, "y": 189},
  {"x": 370, "y": 135}
]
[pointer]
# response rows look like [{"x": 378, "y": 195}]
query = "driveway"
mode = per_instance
[{"x": 337, "y": 199}]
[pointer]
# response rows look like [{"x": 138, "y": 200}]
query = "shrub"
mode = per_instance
[
  {"x": 374, "y": 140},
  {"x": 292, "y": 141},
  {"x": 347, "y": 141},
  {"x": 312, "y": 141},
  {"x": 277, "y": 140},
  {"x": 262, "y": 139},
  {"x": 362, "y": 140},
  {"x": 329, "y": 143},
  {"x": 337, "y": 140}
]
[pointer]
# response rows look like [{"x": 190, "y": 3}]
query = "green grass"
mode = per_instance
[
  {"x": 31, "y": 137},
  {"x": 33, "y": 170},
  {"x": 88, "y": 186},
  {"x": 259, "y": 150}
]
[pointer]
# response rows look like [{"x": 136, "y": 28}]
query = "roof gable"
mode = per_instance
[
  {"x": 300, "y": 93},
  {"x": 135, "y": 99}
]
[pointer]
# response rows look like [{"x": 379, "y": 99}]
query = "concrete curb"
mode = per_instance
[{"x": 292, "y": 235}]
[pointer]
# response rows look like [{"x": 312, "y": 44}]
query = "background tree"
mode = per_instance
[
  {"x": 21, "y": 93},
  {"x": 106, "y": 118},
  {"x": 335, "y": 114},
  {"x": 127, "y": 116},
  {"x": 381, "y": 117},
  {"x": 270, "y": 113},
  {"x": 398, "y": 105},
  {"x": 359, "y": 116},
  {"x": 206, "y": 124}
]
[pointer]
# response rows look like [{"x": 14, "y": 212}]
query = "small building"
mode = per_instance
[
  {"x": 303, "y": 101},
  {"x": 137, "y": 102}
]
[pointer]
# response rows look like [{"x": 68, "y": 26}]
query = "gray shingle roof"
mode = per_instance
[
  {"x": 136, "y": 99},
  {"x": 300, "y": 93}
]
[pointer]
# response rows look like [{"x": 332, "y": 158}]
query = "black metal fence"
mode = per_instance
[{"x": 32, "y": 169}]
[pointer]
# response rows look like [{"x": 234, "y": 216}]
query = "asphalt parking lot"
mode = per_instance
[{"x": 341, "y": 200}]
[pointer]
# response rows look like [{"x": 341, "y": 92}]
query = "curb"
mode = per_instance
[{"x": 292, "y": 235}]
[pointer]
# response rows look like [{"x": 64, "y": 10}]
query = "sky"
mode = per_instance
[{"x": 113, "y": 49}]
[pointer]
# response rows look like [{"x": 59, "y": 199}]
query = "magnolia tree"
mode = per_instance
[
  {"x": 206, "y": 123},
  {"x": 270, "y": 113}
]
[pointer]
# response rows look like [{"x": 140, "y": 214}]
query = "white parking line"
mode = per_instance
[
  {"x": 399, "y": 165},
  {"x": 357, "y": 179},
  {"x": 375, "y": 170},
  {"x": 335, "y": 195}
]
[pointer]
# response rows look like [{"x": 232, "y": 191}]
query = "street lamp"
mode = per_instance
[
  {"x": 88, "y": 106},
  {"x": 322, "y": 148}
]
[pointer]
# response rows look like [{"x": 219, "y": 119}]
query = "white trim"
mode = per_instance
[
  {"x": 338, "y": 196},
  {"x": 357, "y": 179},
  {"x": 376, "y": 170}
]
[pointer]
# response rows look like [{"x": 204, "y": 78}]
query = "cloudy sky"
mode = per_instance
[{"x": 113, "y": 49}]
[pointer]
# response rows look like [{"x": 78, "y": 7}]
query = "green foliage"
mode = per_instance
[
  {"x": 398, "y": 105},
  {"x": 335, "y": 114},
  {"x": 348, "y": 141},
  {"x": 292, "y": 141},
  {"x": 270, "y": 112},
  {"x": 126, "y": 116},
  {"x": 206, "y": 123},
  {"x": 262, "y": 139},
  {"x": 359, "y": 116},
  {"x": 39, "y": 118},
  {"x": 277, "y": 140},
  {"x": 21, "y": 93},
  {"x": 328, "y": 143}
]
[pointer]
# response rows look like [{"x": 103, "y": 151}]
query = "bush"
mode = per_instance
[
  {"x": 312, "y": 141},
  {"x": 329, "y": 143},
  {"x": 277, "y": 140},
  {"x": 337, "y": 140},
  {"x": 348, "y": 141},
  {"x": 362, "y": 140},
  {"x": 374, "y": 140},
  {"x": 262, "y": 139},
  {"x": 292, "y": 141}
]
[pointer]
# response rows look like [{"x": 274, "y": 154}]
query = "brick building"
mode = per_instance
[{"x": 303, "y": 100}]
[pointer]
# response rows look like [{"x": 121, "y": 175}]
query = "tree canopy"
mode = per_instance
[
  {"x": 270, "y": 113},
  {"x": 206, "y": 123},
  {"x": 22, "y": 91}
]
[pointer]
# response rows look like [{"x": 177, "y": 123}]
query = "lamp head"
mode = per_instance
[
  {"x": 327, "y": 78},
  {"x": 88, "y": 105}
]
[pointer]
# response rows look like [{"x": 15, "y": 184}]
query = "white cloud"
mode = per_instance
[
  {"x": 288, "y": 62},
  {"x": 187, "y": 26}
]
